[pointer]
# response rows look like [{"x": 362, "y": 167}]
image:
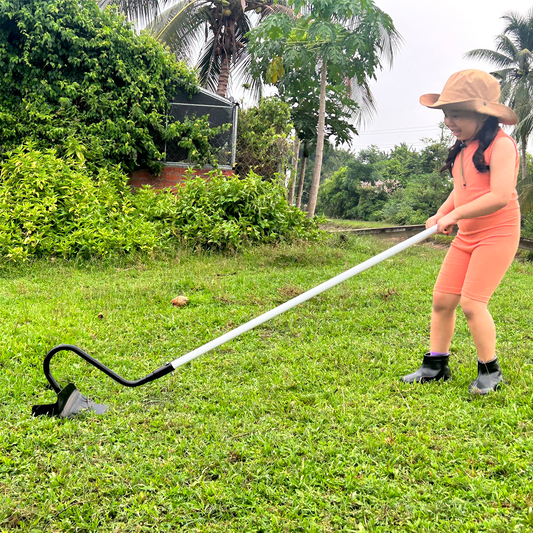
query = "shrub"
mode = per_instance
[
  {"x": 339, "y": 196},
  {"x": 78, "y": 79},
  {"x": 227, "y": 212},
  {"x": 527, "y": 225},
  {"x": 54, "y": 206},
  {"x": 418, "y": 201},
  {"x": 262, "y": 138},
  {"x": 51, "y": 206}
]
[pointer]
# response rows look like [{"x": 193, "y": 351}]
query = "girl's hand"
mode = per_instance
[
  {"x": 446, "y": 223},
  {"x": 431, "y": 221}
]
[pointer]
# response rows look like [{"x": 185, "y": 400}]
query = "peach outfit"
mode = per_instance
[{"x": 484, "y": 247}]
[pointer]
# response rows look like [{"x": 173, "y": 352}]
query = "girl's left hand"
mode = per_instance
[{"x": 446, "y": 223}]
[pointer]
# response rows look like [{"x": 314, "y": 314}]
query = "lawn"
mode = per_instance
[
  {"x": 338, "y": 223},
  {"x": 300, "y": 425}
]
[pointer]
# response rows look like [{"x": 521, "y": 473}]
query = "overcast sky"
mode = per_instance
[{"x": 436, "y": 36}]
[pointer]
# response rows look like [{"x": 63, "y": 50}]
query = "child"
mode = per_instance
[{"x": 484, "y": 165}]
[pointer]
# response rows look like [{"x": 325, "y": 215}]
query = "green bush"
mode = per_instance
[
  {"x": 419, "y": 200},
  {"x": 51, "y": 206},
  {"x": 80, "y": 80},
  {"x": 54, "y": 206},
  {"x": 262, "y": 138},
  {"x": 527, "y": 225},
  {"x": 227, "y": 212}
]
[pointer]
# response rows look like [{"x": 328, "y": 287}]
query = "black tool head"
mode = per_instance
[{"x": 69, "y": 403}]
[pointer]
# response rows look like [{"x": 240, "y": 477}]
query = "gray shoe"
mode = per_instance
[
  {"x": 433, "y": 368},
  {"x": 489, "y": 377}
]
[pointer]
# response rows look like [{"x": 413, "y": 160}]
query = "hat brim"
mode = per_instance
[{"x": 504, "y": 114}]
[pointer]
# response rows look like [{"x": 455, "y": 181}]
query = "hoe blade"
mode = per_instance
[{"x": 69, "y": 402}]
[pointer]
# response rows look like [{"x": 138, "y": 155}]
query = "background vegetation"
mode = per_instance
[
  {"x": 51, "y": 206},
  {"x": 83, "y": 101},
  {"x": 79, "y": 80},
  {"x": 263, "y": 134},
  {"x": 400, "y": 187}
]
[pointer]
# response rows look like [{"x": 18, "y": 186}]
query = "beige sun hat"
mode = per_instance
[{"x": 472, "y": 90}]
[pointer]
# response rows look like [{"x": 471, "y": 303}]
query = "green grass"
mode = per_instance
[
  {"x": 355, "y": 224},
  {"x": 300, "y": 425}
]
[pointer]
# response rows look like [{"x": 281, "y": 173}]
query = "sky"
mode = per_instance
[{"x": 436, "y": 36}]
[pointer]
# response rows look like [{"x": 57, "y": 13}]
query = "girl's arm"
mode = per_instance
[{"x": 502, "y": 184}]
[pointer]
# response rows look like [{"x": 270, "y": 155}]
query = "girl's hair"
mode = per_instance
[{"x": 485, "y": 136}]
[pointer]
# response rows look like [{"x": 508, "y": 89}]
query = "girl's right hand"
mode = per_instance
[{"x": 432, "y": 221}]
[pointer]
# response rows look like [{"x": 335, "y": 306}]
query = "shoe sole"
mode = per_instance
[{"x": 426, "y": 380}]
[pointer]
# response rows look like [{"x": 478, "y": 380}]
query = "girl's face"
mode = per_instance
[{"x": 463, "y": 124}]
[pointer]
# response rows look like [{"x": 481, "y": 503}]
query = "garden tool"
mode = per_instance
[{"x": 70, "y": 401}]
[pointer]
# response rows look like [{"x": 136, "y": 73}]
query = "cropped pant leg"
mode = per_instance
[{"x": 475, "y": 265}]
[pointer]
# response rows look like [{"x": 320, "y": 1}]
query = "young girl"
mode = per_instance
[{"x": 484, "y": 165}]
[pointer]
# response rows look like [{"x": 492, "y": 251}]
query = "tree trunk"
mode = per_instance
[
  {"x": 292, "y": 184},
  {"x": 301, "y": 181},
  {"x": 524, "y": 162},
  {"x": 224, "y": 76},
  {"x": 313, "y": 193}
]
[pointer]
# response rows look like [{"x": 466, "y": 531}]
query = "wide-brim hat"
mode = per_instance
[{"x": 472, "y": 90}]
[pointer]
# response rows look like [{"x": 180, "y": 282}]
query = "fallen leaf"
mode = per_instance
[{"x": 180, "y": 301}]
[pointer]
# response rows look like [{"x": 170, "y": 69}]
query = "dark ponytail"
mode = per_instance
[{"x": 485, "y": 136}]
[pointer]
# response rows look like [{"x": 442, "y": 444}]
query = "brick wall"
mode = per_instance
[{"x": 171, "y": 176}]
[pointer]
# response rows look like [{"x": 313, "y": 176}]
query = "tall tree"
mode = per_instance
[
  {"x": 514, "y": 59},
  {"x": 135, "y": 9},
  {"x": 301, "y": 91},
  {"x": 218, "y": 29},
  {"x": 343, "y": 40}
]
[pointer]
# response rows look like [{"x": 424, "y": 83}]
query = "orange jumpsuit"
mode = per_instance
[{"x": 484, "y": 247}]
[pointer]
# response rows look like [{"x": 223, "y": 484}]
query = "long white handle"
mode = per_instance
[{"x": 305, "y": 296}]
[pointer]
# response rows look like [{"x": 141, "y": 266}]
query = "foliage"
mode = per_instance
[
  {"x": 419, "y": 200},
  {"x": 514, "y": 62},
  {"x": 263, "y": 138},
  {"x": 300, "y": 88},
  {"x": 400, "y": 187},
  {"x": 525, "y": 185},
  {"x": 349, "y": 38},
  {"x": 340, "y": 43},
  {"x": 339, "y": 195},
  {"x": 527, "y": 225},
  {"x": 227, "y": 212},
  {"x": 193, "y": 138},
  {"x": 221, "y": 29},
  {"x": 51, "y": 206},
  {"x": 334, "y": 159},
  {"x": 80, "y": 80},
  {"x": 401, "y": 163}
]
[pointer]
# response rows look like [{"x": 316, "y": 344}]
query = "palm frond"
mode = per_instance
[
  {"x": 181, "y": 27},
  {"x": 135, "y": 9},
  {"x": 498, "y": 59},
  {"x": 241, "y": 75},
  {"x": 523, "y": 129},
  {"x": 209, "y": 64},
  {"x": 506, "y": 46},
  {"x": 390, "y": 38},
  {"x": 273, "y": 9},
  {"x": 520, "y": 29},
  {"x": 362, "y": 95}
]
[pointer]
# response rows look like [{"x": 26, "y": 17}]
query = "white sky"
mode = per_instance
[{"x": 436, "y": 35}]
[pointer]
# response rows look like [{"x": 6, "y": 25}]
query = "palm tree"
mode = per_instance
[
  {"x": 135, "y": 9},
  {"x": 514, "y": 59},
  {"x": 217, "y": 29}
]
